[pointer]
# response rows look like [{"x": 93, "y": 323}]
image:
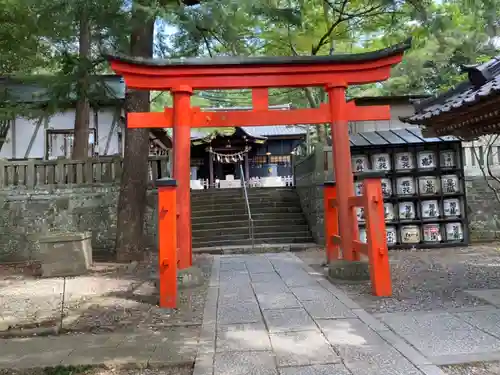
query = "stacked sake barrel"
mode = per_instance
[{"x": 423, "y": 196}]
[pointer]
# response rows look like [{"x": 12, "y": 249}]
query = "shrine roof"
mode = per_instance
[
  {"x": 274, "y": 131},
  {"x": 406, "y": 136},
  {"x": 482, "y": 84},
  {"x": 259, "y": 132},
  {"x": 266, "y": 60},
  {"x": 38, "y": 89}
]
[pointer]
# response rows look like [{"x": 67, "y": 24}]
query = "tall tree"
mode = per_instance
[
  {"x": 132, "y": 199},
  {"x": 133, "y": 188},
  {"x": 82, "y": 110}
]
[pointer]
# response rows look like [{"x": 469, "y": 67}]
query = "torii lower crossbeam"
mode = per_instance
[{"x": 312, "y": 116}]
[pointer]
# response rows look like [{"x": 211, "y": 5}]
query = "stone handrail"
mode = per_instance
[{"x": 32, "y": 173}]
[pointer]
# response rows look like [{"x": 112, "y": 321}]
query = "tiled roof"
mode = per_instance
[
  {"x": 483, "y": 82},
  {"x": 266, "y": 60},
  {"x": 395, "y": 137},
  {"x": 18, "y": 90},
  {"x": 274, "y": 131}
]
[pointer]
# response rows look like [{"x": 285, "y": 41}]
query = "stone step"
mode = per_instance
[
  {"x": 242, "y": 211},
  {"x": 221, "y": 206},
  {"x": 244, "y": 230},
  {"x": 257, "y": 248},
  {"x": 211, "y": 201},
  {"x": 245, "y": 235},
  {"x": 214, "y": 225},
  {"x": 202, "y": 194},
  {"x": 257, "y": 241},
  {"x": 232, "y": 216}
]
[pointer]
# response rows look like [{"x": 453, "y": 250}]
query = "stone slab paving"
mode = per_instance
[
  {"x": 275, "y": 315},
  {"x": 491, "y": 296},
  {"x": 173, "y": 347},
  {"x": 450, "y": 337},
  {"x": 272, "y": 314}
]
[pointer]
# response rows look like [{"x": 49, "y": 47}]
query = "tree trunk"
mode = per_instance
[
  {"x": 132, "y": 200},
  {"x": 82, "y": 115}
]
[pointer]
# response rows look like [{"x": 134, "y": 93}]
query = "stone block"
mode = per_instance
[
  {"x": 251, "y": 363},
  {"x": 243, "y": 337},
  {"x": 302, "y": 348},
  {"x": 332, "y": 369},
  {"x": 63, "y": 254},
  {"x": 288, "y": 320},
  {"x": 327, "y": 309},
  {"x": 349, "y": 270}
]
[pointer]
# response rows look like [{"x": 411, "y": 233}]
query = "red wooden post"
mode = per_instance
[
  {"x": 182, "y": 171},
  {"x": 348, "y": 224},
  {"x": 167, "y": 242},
  {"x": 260, "y": 99},
  {"x": 378, "y": 255},
  {"x": 331, "y": 221}
]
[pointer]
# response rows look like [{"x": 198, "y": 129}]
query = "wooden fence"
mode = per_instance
[{"x": 34, "y": 173}]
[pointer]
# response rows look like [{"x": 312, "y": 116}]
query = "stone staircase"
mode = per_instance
[{"x": 219, "y": 217}]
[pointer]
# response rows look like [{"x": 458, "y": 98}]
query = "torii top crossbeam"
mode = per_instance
[{"x": 250, "y": 72}]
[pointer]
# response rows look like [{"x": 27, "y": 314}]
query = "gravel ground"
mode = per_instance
[
  {"x": 489, "y": 368},
  {"x": 111, "y": 298},
  {"x": 425, "y": 280}
]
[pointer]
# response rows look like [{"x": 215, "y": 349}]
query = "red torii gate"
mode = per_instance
[{"x": 335, "y": 73}]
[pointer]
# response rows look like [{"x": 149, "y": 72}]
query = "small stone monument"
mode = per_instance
[{"x": 63, "y": 253}]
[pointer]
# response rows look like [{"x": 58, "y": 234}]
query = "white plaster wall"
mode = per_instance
[
  {"x": 105, "y": 121},
  {"x": 394, "y": 123},
  {"x": 25, "y": 129}
]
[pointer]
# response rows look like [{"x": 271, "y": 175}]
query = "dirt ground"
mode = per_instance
[
  {"x": 101, "y": 371},
  {"x": 427, "y": 279},
  {"x": 110, "y": 298},
  {"x": 488, "y": 368}
]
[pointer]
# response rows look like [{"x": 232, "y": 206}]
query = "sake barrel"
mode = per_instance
[
  {"x": 362, "y": 235},
  {"x": 405, "y": 185},
  {"x": 450, "y": 184},
  {"x": 448, "y": 159},
  {"x": 389, "y": 212},
  {"x": 390, "y": 234},
  {"x": 358, "y": 188},
  {"x": 454, "y": 232},
  {"x": 410, "y": 234},
  {"x": 452, "y": 207},
  {"x": 406, "y": 211},
  {"x": 360, "y": 214},
  {"x": 430, "y": 209},
  {"x": 381, "y": 162},
  {"x": 426, "y": 160},
  {"x": 386, "y": 187},
  {"x": 428, "y": 185},
  {"x": 432, "y": 233},
  {"x": 359, "y": 163},
  {"x": 404, "y": 161}
]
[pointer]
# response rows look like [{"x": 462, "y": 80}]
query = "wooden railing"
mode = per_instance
[{"x": 106, "y": 170}]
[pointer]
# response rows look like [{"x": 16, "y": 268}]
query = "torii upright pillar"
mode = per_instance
[
  {"x": 182, "y": 171},
  {"x": 348, "y": 225}
]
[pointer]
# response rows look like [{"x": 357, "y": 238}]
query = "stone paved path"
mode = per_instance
[{"x": 272, "y": 314}]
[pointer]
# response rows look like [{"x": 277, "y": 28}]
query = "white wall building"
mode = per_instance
[{"x": 51, "y": 136}]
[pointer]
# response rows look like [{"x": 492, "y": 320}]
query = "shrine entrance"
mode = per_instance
[{"x": 334, "y": 73}]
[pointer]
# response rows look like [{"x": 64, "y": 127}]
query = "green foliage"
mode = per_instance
[{"x": 41, "y": 37}]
